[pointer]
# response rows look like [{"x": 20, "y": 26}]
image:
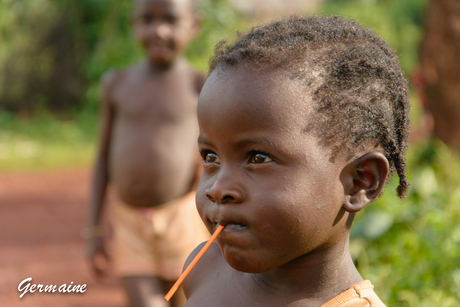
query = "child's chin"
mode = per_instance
[
  {"x": 245, "y": 265},
  {"x": 161, "y": 61}
]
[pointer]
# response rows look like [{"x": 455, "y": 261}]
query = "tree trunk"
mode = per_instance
[{"x": 440, "y": 61}]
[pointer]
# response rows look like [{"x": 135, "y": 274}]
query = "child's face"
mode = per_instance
[
  {"x": 264, "y": 178},
  {"x": 164, "y": 28}
]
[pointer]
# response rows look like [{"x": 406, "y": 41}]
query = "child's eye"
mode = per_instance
[
  {"x": 171, "y": 19},
  {"x": 210, "y": 157},
  {"x": 259, "y": 158},
  {"x": 147, "y": 18}
]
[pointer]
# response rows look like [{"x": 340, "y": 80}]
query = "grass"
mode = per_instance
[
  {"x": 22, "y": 154},
  {"x": 45, "y": 142}
]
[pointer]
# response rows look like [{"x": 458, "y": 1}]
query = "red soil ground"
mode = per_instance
[{"x": 41, "y": 215}]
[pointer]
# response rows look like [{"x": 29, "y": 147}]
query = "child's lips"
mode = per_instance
[
  {"x": 234, "y": 227},
  {"x": 235, "y": 235},
  {"x": 159, "y": 49},
  {"x": 231, "y": 226},
  {"x": 235, "y": 232}
]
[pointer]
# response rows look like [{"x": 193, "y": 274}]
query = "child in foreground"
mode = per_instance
[
  {"x": 302, "y": 122},
  {"x": 148, "y": 151}
]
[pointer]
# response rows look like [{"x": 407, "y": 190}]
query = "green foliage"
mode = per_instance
[
  {"x": 42, "y": 142},
  {"x": 219, "y": 22},
  {"x": 39, "y": 56},
  {"x": 19, "y": 47}
]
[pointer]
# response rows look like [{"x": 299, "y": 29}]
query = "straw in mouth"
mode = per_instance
[{"x": 193, "y": 263}]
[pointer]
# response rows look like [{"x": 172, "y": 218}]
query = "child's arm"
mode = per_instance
[{"x": 94, "y": 232}]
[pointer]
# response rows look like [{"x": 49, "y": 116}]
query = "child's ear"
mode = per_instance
[{"x": 363, "y": 180}]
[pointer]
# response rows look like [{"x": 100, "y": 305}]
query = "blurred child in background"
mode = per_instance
[{"x": 148, "y": 152}]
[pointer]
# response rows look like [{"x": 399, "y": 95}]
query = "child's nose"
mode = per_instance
[
  {"x": 225, "y": 190},
  {"x": 161, "y": 30}
]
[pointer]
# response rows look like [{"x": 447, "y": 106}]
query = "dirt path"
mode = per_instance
[{"x": 41, "y": 215}]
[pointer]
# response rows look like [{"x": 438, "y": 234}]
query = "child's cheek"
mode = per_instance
[{"x": 203, "y": 204}]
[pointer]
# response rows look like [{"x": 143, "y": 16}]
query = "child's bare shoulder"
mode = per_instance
[
  {"x": 195, "y": 78},
  {"x": 118, "y": 83},
  {"x": 212, "y": 261},
  {"x": 121, "y": 75},
  {"x": 111, "y": 80}
]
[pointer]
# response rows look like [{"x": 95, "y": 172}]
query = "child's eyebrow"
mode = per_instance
[
  {"x": 201, "y": 140},
  {"x": 252, "y": 141},
  {"x": 240, "y": 143}
]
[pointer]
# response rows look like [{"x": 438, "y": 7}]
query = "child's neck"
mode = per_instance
[
  {"x": 178, "y": 64},
  {"x": 321, "y": 275}
]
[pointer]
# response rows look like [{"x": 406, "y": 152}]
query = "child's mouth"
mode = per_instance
[{"x": 232, "y": 226}]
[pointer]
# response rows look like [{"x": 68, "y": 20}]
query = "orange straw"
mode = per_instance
[{"x": 193, "y": 263}]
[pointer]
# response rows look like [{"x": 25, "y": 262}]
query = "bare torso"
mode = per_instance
[{"x": 153, "y": 151}]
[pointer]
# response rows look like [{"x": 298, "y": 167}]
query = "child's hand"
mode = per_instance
[{"x": 98, "y": 257}]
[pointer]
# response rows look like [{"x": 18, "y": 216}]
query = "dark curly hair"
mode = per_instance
[{"x": 352, "y": 74}]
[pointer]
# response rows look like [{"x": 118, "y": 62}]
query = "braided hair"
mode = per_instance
[{"x": 352, "y": 74}]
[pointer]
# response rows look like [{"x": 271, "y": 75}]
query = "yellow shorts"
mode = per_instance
[{"x": 155, "y": 241}]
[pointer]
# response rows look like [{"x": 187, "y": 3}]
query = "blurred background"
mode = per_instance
[{"x": 52, "y": 56}]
